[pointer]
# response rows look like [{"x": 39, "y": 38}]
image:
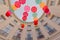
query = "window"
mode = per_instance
[
  {"x": 2, "y": 18},
  {"x": 42, "y": 21},
  {"x": 15, "y": 22},
  {"x": 17, "y": 36},
  {"x": 56, "y": 19},
  {"x": 8, "y": 28},
  {"x": 5, "y": 31},
  {"x": 50, "y": 29},
  {"x": 39, "y": 34},
  {"x": 29, "y": 37},
  {"x": 59, "y": 2},
  {"x": 29, "y": 28},
  {"x": 52, "y": 2}
]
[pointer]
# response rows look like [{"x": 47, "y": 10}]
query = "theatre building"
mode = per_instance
[{"x": 29, "y": 19}]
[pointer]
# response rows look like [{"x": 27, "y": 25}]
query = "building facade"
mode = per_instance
[{"x": 47, "y": 29}]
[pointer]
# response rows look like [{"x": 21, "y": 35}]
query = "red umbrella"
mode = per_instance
[
  {"x": 8, "y": 13},
  {"x": 34, "y": 9},
  {"x": 35, "y": 22},
  {"x": 17, "y": 4},
  {"x": 24, "y": 18},
  {"x": 27, "y": 8},
  {"x": 46, "y": 10},
  {"x": 22, "y": 1},
  {"x": 25, "y": 14},
  {"x": 22, "y": 25}
]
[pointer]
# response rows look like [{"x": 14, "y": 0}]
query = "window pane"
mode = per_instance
[
  {"x": 17, "y": 35},
  {"x": 39, "y": 34},
  {"x": 3, "y": 33},
  {"x": 54, "y": 18},
  {"x": 6, "y": 30},
  {"x": 52, "y": 2},
  {"x": 58, "y": 20},
  {"x": 42, "y": 21},
  {"x": 50, "y": 29},
  {"x": 29, "y": 37},
  {"x": 15, "y": 22},
  {"x": 28, "y": 27},
  {"x": 2, "y": 18}
]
